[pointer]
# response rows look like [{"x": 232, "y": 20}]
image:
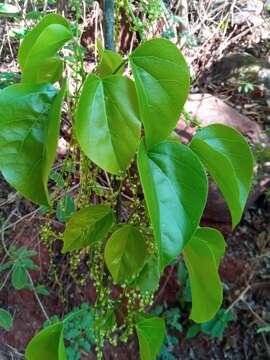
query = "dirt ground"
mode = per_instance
[{"x": 245, "y": 269}]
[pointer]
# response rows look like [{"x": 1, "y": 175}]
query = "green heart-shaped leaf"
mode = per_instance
[
  {"x": 125, "y": 253},
  {"x": 227, "y": 157},
  {"x": 107, "y": 123},
  {"x": 162, "y": 82},
  {"x": 202, "y": 256},
  {"x": 87, "y": 226},
  {"x": 175, "y": 188},
  {"x": 6, "y": 320},
  {"x": 29, "y": 128},
  {"x": 39, "y": 47},
  {"x": 47, "y": 344},
  {"x": 150, "y": 331}
]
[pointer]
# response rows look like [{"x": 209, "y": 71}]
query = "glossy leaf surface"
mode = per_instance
[
  {"x": 29, "y": 127},
  {"x": 150, "y": 331},
  {"x": 214, "y": 240},
  {"x": 39, "y": 47},
  {"x": 162, "y": 82},
  {"x": 109, "y": 62},
  {"x": 47, "y": 344},
  {"x": 6, "y": 320},
  {"x": 202, "y": 256},
  {"x": 227, "y": 157},
  {"x": 49, "y": 70},
  {"x": 107, "y": 123},
  {"x": 175, "y": 189},
  {"x": 87, "y": 226},
  {"x": 125, "y": 253}
]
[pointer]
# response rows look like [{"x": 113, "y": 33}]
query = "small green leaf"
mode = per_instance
[
  {"x": 47, "y": 344},
  {"x": 175, "y": 188},
  {"x": 263, "y": 329},
  {"x": 6, "y": 320},
  {"x": 125, "y": 253},
  {"x": 44, "y": 209},
  {"x": 150, "y": 331},
  {"x": 148, "y": 279},
  {"x": 107, "y": 123},
  {"x": 57, "y": 178},
  {"x": 202, "y": 263},
  {"x": 218, "y": 324},
  {"x": 87, "y": 226},
  {"x": 19, "y": 277},
  {"x": 6, "y": 266},
  {"x": 193, "y": 331},
  {"x": 42, "y": 290},
  {"x": 227, "y": 157},
  {"x": 162, "y": 82},
  {"x": 65, "y": 208},
  {"x": 110, "y": 62}
]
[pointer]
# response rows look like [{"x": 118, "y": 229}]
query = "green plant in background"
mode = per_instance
[
  {"x": 18, "y": 264},
  {"x": 77, "y": 332},
  {"x": 214, "y": 327},
  {"x": 263, "y": 329},
  {"x": 128, "y": 245},
  {"x": 246, "y": 88},
  {"x": 152, "y": 10}
]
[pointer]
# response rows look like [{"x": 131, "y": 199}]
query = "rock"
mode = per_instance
[
  {"x": 239, "y": 68},
  {"x": 209, "y": 109},
  {"x": 62, "y": 146},
  {"x": 249, "y": 12}
]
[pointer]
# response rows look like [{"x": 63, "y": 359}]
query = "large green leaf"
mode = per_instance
[
  {"x": 39, "y": 47},
  {"x": 48, "y": 70},
  {"x": 202, "y": 256},
  {"x": 110, "y": 61},
  {"x": 125, "y": 253},
  {"x": 48, "y": 344},
  {"x": 150, "y": 331},
  {"x": 162, "y": 82},
  {"x": 6, "y": 320},
  {"x": 87, "y": 226},
  {"x": 175, "y": 189},
  {"x": 107, "y": 123},
  {"x": 29, "y": 127},
  {"x": 227, "y": 157},
  {"x": 32, "y": 37}
]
